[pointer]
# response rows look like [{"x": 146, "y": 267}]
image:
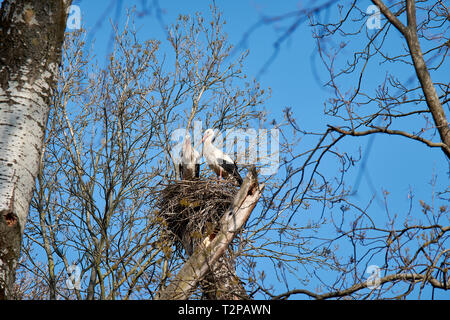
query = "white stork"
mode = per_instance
[
  {"x": 220, "y": 162},
  {"x": 190, "y": 160}
]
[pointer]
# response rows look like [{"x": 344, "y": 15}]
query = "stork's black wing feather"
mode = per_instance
[
  {"x": 197, "y": 170},
  {"x": 232, "y": 169},
  {"x": 180, "y": 170}
]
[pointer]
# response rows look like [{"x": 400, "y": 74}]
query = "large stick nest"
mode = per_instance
[{"x": 191, "y": 209}]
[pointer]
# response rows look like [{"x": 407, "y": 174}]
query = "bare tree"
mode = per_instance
[
  {"x": 414, "y": 251},
  {"x": 207, "y": 256},
  {"x": 108, "y": 154},
  {"x": 32, "y": 34}
]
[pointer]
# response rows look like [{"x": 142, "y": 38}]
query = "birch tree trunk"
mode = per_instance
[{"x": 32, "y": 34}]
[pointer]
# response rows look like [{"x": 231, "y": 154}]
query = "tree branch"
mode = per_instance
[
  {"x": 390, "y": 16},
  {"x": 393, "y": 132},
  {"x": 410, "y": 277},
  {"x": 432, "y": 99},
  {"x": 423, "y": 74},
  {"x": 214, "y": 245}
]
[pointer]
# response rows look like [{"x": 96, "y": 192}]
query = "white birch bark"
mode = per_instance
[{"x": 32, "y": 33}]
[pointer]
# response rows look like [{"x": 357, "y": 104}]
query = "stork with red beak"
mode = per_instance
[{"x": 220, "y": 162}]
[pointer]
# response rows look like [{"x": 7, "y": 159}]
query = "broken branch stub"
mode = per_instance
[{"x": 214, "y": 245}]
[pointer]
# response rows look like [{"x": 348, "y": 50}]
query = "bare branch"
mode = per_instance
[
  {"x": 411, "y": 277},
  {"x": 392, "y": 132}
]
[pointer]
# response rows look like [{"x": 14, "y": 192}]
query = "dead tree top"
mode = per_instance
[{"x": 191, "y": 209}]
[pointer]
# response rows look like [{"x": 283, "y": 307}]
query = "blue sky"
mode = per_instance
[{"x": 394, "y": 163}]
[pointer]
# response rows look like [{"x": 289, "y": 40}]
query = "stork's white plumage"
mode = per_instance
[
  {"x": 220, "y": 162},
  {"x": 190, "y": 160}
]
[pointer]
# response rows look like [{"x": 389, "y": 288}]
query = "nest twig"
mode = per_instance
[{"x": 191, "y": 209}]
